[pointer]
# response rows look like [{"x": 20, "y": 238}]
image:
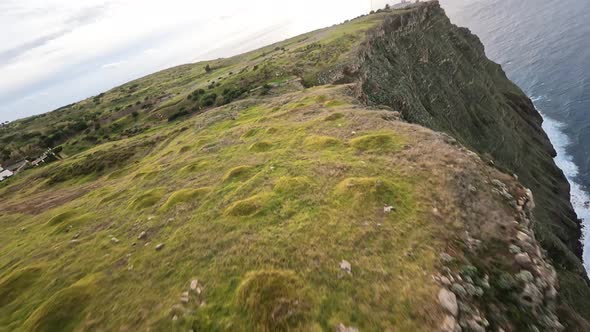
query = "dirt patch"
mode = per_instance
[{"x": 40, "y": 202}]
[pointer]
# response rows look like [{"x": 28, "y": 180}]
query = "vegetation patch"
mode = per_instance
[
  {"x": 261, "y": 146},
  {"x": 194, "y": 167},
  {"x": 238, "y": 173},
  {"x": 248, "y": 206},
  {"x": 377, "y": 143},
  {"x": 272, "y": 130},
  {"x": 58, "y": 219},
  {"x": 147, "y": 199},
  {"x": 334, "y": 117},
  {"x": 274, "y": 300},
  {"x": 363, "y": 193},
  {"x": 63, "y": 310},
  {"x": 251, "y": 132},
  {"x": 184, "y": 149},
  {"x": 183, "y": 196},
  {"x": 334, "y": 103},
  {"x": 292, "y": 185},
  {"x": 16, "y": 283},
  {"x": 97, "y": 162},
  {"x": 321, "y": 142},
  {"x": 73, "y": 221},
  {"x": 146, "y": 175}
]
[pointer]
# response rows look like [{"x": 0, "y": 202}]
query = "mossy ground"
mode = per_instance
[{"x": 248, "y": 223}]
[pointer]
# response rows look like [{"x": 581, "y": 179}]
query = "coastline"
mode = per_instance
[{"x": 578, "y": 196}]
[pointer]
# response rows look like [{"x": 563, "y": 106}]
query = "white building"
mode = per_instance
[{"x": 5, "y": 174}]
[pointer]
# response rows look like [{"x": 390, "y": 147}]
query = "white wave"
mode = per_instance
[{"x": 580, "y": 199}]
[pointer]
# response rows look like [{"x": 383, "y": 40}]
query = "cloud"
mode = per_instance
[{"x": 113, "y": 64}]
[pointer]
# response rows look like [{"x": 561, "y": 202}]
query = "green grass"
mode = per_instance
[
  {"x": 147, "y": 199},
  {"x": 377, "y": 143},
  {"x": 261, "y": 228},
  {"x": 184, "y": 196},
  {"x": 62, "y": 311},
  {"x": 274, "y": 300},
  {"x": 17, "y": 282}
]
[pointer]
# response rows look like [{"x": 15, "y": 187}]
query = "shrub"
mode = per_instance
[
  {"x": 178, "y": 115},
  {"x": 209, "y": 99}
]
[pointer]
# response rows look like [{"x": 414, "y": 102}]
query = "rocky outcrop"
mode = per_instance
[{"x": 501, "y": 279}]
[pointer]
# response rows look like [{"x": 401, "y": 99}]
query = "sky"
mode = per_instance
[{"x": 56, "y": 52}]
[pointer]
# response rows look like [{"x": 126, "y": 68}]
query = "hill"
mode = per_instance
[{"x": 371, "y": 175}]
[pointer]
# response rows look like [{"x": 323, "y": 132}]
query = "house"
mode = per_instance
[
  {"x": 17, "y": 167},
  {"x": 5, "y": 174}
]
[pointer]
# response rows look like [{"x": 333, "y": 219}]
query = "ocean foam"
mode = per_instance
[{"x": 579, "y": 197}]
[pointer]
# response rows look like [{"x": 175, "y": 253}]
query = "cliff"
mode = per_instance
[
  {"x": 377, "y": 175},
  {"x": 437, "y": 75}
]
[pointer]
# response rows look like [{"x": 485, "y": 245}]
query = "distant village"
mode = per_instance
[{"x": 11, "y": 170}]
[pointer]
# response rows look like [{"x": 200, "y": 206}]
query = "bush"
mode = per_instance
[
  {"x": 209, "y": 99},
  {"x": 178, "y": 115}
]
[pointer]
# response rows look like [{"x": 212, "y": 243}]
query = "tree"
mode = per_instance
[{"x": 208, "y": 68}]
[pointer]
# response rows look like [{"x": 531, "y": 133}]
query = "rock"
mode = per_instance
[
  {"x": 343, "y": 328},
  {"x": 77, "y": 235},
  {"x": 346, "y": 267},
  {"x": 525, "y": 276},
  {"x": 448, "y": 300},
  {"x": 531, "y": 296},
  {"x": 194, "y": 284},
  {"x": 523, "y": 237},
  {"x": 471, "y": 290},
  {"x": 445, "y": 281},
  {"x": 524, "y": 260},
  {"x": 160, "y": 246},
  {"x": 514, "y": 249},
  {"x": 498, "y": 184},
  {"x": 471, "y": 188},
  {"x": 551, "y": 293},
  {"x": 388, "y": 209},
  {"x": 446, "y": 258},
  {"x": 141, "y": 235},
  {"x": 174, "y": 318},
  {"x": 475, "y": 326},
  {"x": 530, "y": 204},
  {"x": 459, "y": 290},
  {"x": 450, "y": 324},
  {"x": 114, "y": 240},
  {"x": 184, "y": 297}
]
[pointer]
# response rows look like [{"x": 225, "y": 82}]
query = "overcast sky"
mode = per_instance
[{"x": 55, "y": 52}]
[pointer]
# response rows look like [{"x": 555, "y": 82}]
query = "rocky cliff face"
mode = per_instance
[{"x": 437, "y": 75}]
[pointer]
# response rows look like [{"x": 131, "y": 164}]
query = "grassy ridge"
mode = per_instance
[{"x": 246, "y": 222}]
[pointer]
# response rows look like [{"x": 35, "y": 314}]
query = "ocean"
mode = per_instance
[{"x": 544, "y": 47}]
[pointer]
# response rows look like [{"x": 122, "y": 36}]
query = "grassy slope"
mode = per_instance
[{"x": 279, "y": 190}]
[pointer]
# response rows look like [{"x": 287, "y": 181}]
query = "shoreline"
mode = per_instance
[{"x": 578, "y": 196}]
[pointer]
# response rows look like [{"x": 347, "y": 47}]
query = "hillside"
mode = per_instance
[{"x": 372, "y": 175}]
